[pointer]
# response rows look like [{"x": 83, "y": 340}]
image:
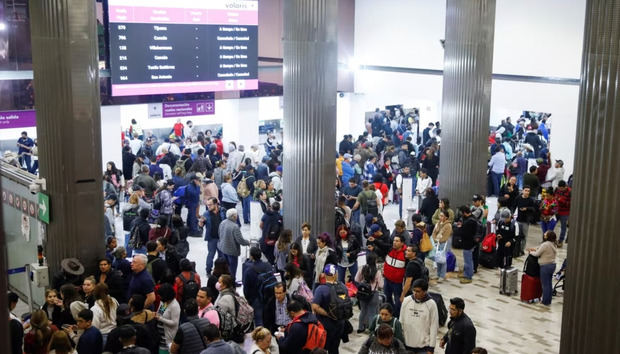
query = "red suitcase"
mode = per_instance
[{"x": 531, "y": 288}]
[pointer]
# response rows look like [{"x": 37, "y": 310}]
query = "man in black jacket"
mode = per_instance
[
  {"x": 275, "y": 314},
  {"x": 143, "y": 227},
  {"x": 461, "y": 335},
  {"x": 526, "y": 207},
  {"x": 467, "y": 230},
  {"x": 251, "y": 283},
  {"x": 378, "y": 242}
]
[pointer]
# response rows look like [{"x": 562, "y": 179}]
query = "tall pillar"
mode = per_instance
[
  {"x": 468, "y": 65},
  {"x": 310, "y": 72},
  {"x": 66, "y": 81},
  {"x": 590, "y": 313}
]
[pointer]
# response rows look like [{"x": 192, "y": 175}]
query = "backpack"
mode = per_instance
[
  {"x": 317, "y": 335},
  {"x": 245, "y": 314},
  {"x": 181, "y": 192},
  {"x": 371, "y": 205},
  {"x": 149, "y": 265},
  {"x": 190, "y": 287},
  {"x": 273, "y": 233},
  {"x": 128, "y": 217},
  {"x": 364, "y": 291},
  {"x": 266, "y": 281},
  {"x": 304, "y": 291},
  {"x": 441, "y": 307},
  {"x": 180, "y": 164},
  {"x": 153, "y": 216},
  {"x": 157, "y": 202},
  {"x": 234, "y": 327},
  {"x": 488, "y": 243},
  {"x": 340, "y": 305},
  {"x": 423, "y": 269},
  {"x": 135, "y": 241},
  {"x": 242, "y": 189}
]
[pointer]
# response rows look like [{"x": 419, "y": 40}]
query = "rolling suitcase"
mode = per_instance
[
  {"x": 531, "y": 288},
  {"x": 508, "y": 281},
  {"x": 488, "y": 259}
]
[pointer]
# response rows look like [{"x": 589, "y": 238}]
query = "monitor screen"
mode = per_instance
[{"x": 181, "y": 46}]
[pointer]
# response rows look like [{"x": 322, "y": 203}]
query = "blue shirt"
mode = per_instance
[
  {"x": 282, "y": 317},
  {"x": 322, "y": 297},
  {"x": 24, "y": 141},
  {"x": 353, "y": 192},
  {"x": 369, "y": 171},
  {"x": 90, "y": 341},
  {"x": 141, "y": 283}
]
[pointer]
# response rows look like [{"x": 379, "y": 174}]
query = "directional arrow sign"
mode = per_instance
[{"x": 44, "y": 208}]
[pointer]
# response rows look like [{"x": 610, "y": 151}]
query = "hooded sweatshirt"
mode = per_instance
[{"x": 420, "y": 321}]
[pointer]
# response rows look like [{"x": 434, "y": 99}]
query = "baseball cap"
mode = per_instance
[
  {"x": 348, "y": 156},
  {"x": 374, "y": 228},
  {"x": 279, "y": 168},
  {"x": 477, "y": 197},
  {"x": 369, "y": 218},
  {"x": 505, "y": 214},
  {"x": 560, "y": 162},
  {"x": 329, "y": 269}
]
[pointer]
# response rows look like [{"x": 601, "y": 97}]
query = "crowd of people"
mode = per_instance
[{"x": 297, "y": 288}]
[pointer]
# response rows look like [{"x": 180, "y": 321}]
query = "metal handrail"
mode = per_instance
[{"x": 16, "y": 174}]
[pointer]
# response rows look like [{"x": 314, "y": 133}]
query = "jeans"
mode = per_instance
[
  {"x": 468, "y": 267},
  {"x": 475, "y": 255},
  {"x": 546, "y": 276},
  {"x": 192, "y": 220},
  {"x": 441, "y": 268},
  {"x": 27, "y": 159},
  {"x": 245, "y": 204},
  {"x": 520, "y": 181},
  {"x": 524, "y": 228},
  {"x": 368, "y": 310},
  {"x": 212, "y": 246},
  {"x": 342, "y": 271},
  {"x": 35, "y": 167},
  {"x": 392, "y": 294},
  {"x": 563, "y": 224},
  {"x": 232, "y": 264},
  {"x": 496, "y": 179},
  {"x": 355, "y": 217},
  {"x": 548, "y": 225},
  {"x": 258, "y": 312}
]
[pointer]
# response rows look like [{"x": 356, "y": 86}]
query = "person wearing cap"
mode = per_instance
[
  {"x": 377, "y": 241},
  {"x": 506, "y": 233},
  {"x": 71, "y": 272},
  {"x": 556, "y": 174},
  {"x": 321, "y": 307},
  {"x": 127, "y": 336},
  {"x": 347, "y": 170},
  {"x": 461, "y": 334}
]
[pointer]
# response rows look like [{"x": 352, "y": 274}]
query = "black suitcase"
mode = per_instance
[{"x": 488, "y": 259}]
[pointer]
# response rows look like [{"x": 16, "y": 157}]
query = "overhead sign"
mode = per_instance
[{"x": 44, "y": 208}]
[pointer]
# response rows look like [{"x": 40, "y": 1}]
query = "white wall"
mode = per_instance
[
  {"x": 539, "y": 38},
  {"x": 111, "y": 144},
  {"x": 403, "y": 33}
]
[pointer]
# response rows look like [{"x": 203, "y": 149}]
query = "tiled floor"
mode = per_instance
[{"x": 504, "y": 324}]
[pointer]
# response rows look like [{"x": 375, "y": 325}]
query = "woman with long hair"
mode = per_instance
[
  {"x": 347, "y": 248},
  {"x": 104, "y": 311},
  {"x": 325, "y": 254},
  {"x": 72, "y": 303},
  {"x": 114, "y": 175},
  {"x": 294, "y": 276},
  {"x": 60, "y": 344},
  {"x": 37, "y": 339},
  {"x": 280, "y": 252},
  {"x": 168, "y": 315},
  {"x": 441, "y": 235},
  {"x": 546, "y": 253},
  {"x": 444, "y": 204},
  {"x": 53, "y": 307},
  {"x": 301, "y": 261},
  {"x": 370, "y": 275}
]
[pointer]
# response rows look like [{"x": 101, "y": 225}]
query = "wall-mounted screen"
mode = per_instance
[{"x": 181, "y": 46}]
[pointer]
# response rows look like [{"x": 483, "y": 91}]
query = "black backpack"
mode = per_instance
[
  {"x": 190, "y": 287},
  {"x": 364, "y": 290},
  {"x": 340, "y": 305},
  {"x": 340, "y": 217},
  {"x": 531, "y": 266},
  {"x": 273, "y": 233},
  {"x": 266, "y": 280},
  {"x": 423, "y": 269},
  {"x": 372, "y": 207},
  {"x": 441, "y": 307},
  {"x": 135, "y": 240}
]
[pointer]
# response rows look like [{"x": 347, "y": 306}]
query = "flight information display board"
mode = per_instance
[{"x": 181, "y": 46}]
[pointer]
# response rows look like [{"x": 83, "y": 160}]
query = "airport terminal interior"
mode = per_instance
[{"x": 308, "y": 176}]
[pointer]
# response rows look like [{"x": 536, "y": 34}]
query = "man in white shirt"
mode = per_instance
[
  {"x": 497, "y": 165},
  {"x": 424, "y": 182},
  {"x": 135, "y": 144},
  {"x": 420, "y": 319}
]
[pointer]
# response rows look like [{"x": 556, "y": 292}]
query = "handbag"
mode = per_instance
[
  {"x": 425, "y": 243},
  {"x": 440, "y": 254}
]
